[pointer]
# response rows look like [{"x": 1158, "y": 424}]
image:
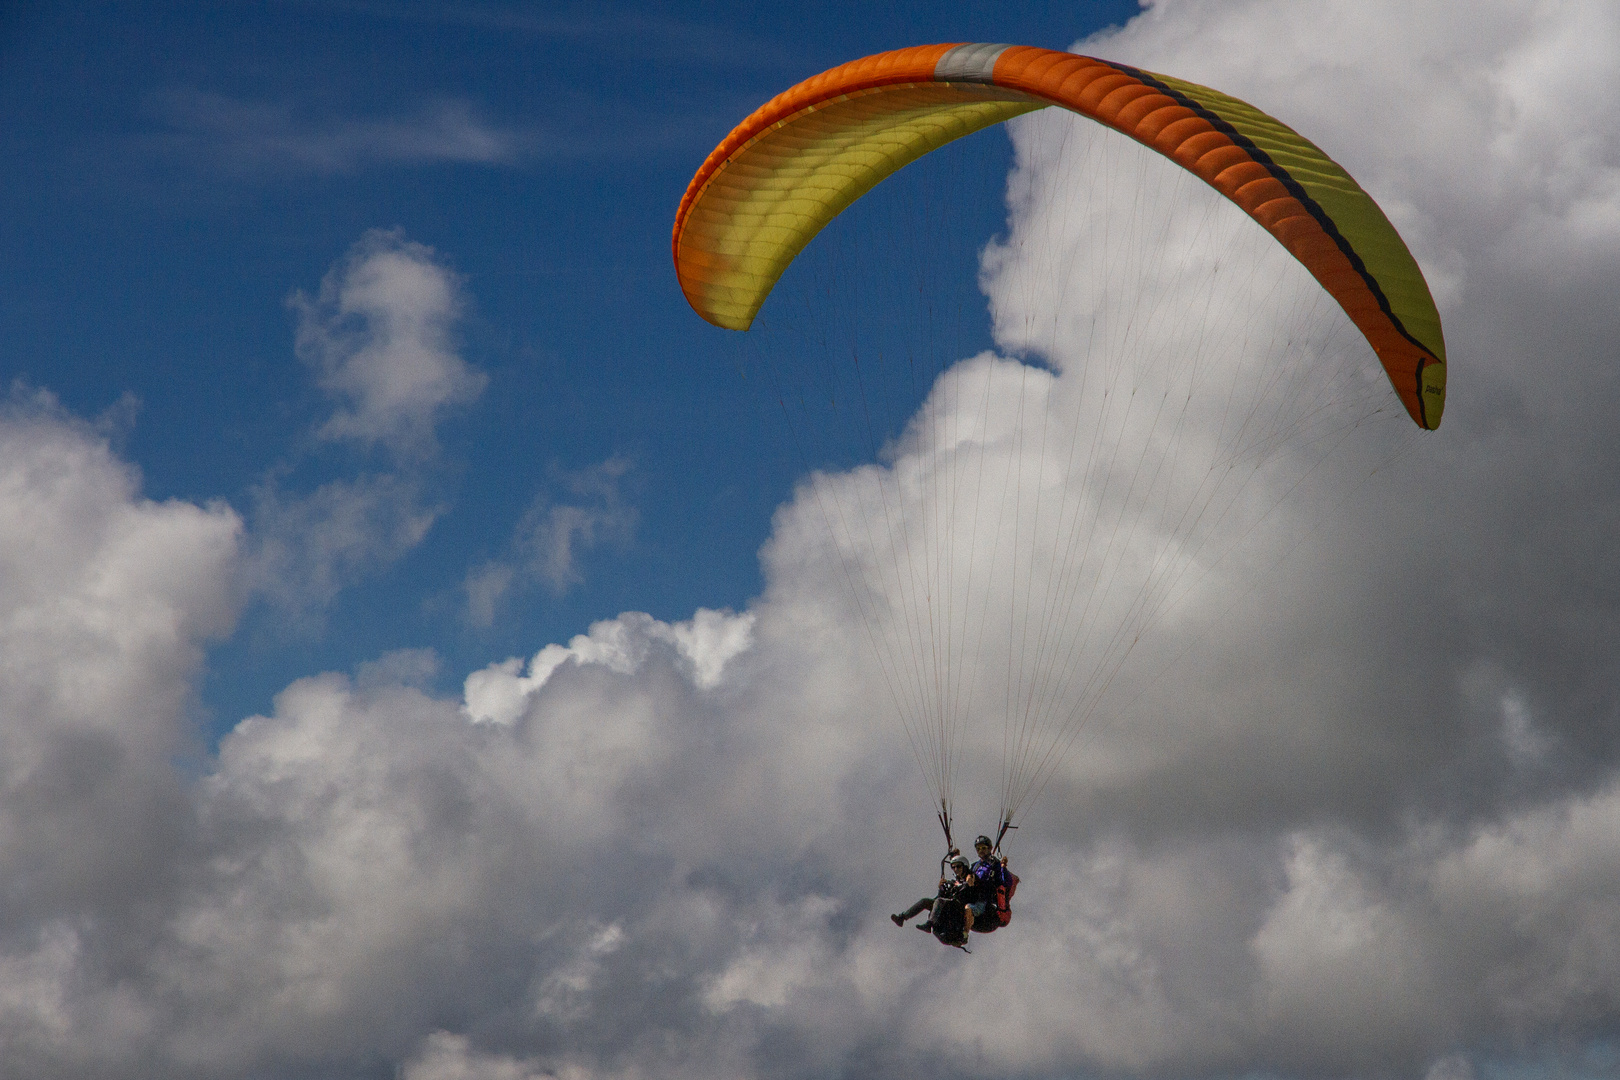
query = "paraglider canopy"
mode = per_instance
[{"x": 811, "y": 151}]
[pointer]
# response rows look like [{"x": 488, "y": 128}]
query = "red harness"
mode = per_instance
[{"x": 1001, "y": 914}]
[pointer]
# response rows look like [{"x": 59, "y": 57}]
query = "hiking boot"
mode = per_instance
[
  {"x": 897, "y": 920},
  {"x": 926, "y": 926}
]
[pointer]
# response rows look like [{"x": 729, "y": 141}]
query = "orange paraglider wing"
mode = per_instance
[{"x": 808, "y": 153}]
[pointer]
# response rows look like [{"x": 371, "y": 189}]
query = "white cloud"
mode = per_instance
[
  {"x": 668, "y": 854},
  {"x": 553, "y": 535},
  {"x": 777, "y": 969},
  {"x": 108, "y": 598},
  {"x": 558, "y": 539},
  {"x": 564, "y": 991},
  {"x": 706, "y": 643},
  {"x": 307, "y": 548},
  {"x": 486, "y": 586},
  {"x": 450, "y": 1057},
  {"x": 106, "y": 602},
  {"x": 1316, "y": 845},
  {"x": 275, "y": 137},
  {"x": 379, "y": 336}
]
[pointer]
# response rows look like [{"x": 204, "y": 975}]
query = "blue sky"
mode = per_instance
[
  {"x": 428, "y": 649},
  {"x": 179, "y": 170}
]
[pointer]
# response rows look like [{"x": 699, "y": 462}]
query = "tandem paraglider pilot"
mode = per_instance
[
  {"x": 990, "y": 880},
  {"x": 970, "y": 898}
]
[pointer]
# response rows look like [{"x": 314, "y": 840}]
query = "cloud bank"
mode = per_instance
[{"x": 1369, "y": 826}]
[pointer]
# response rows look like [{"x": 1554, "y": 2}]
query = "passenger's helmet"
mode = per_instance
[{"x": 959, "y": 860}]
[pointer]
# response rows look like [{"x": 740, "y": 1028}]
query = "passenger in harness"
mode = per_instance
[{"x": 951, "y": 911}]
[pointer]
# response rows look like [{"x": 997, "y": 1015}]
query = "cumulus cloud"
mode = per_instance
[
  {"x": 107, "y": 600},
  {"x": 379, "y": 334},
  {"x": 1358, "y": 819},
  {"x": 705, "y": 643},
  {"x": 109, "y": 597}
]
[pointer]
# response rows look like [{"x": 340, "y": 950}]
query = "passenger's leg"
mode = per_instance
[{"x": 915, "y": 909}]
